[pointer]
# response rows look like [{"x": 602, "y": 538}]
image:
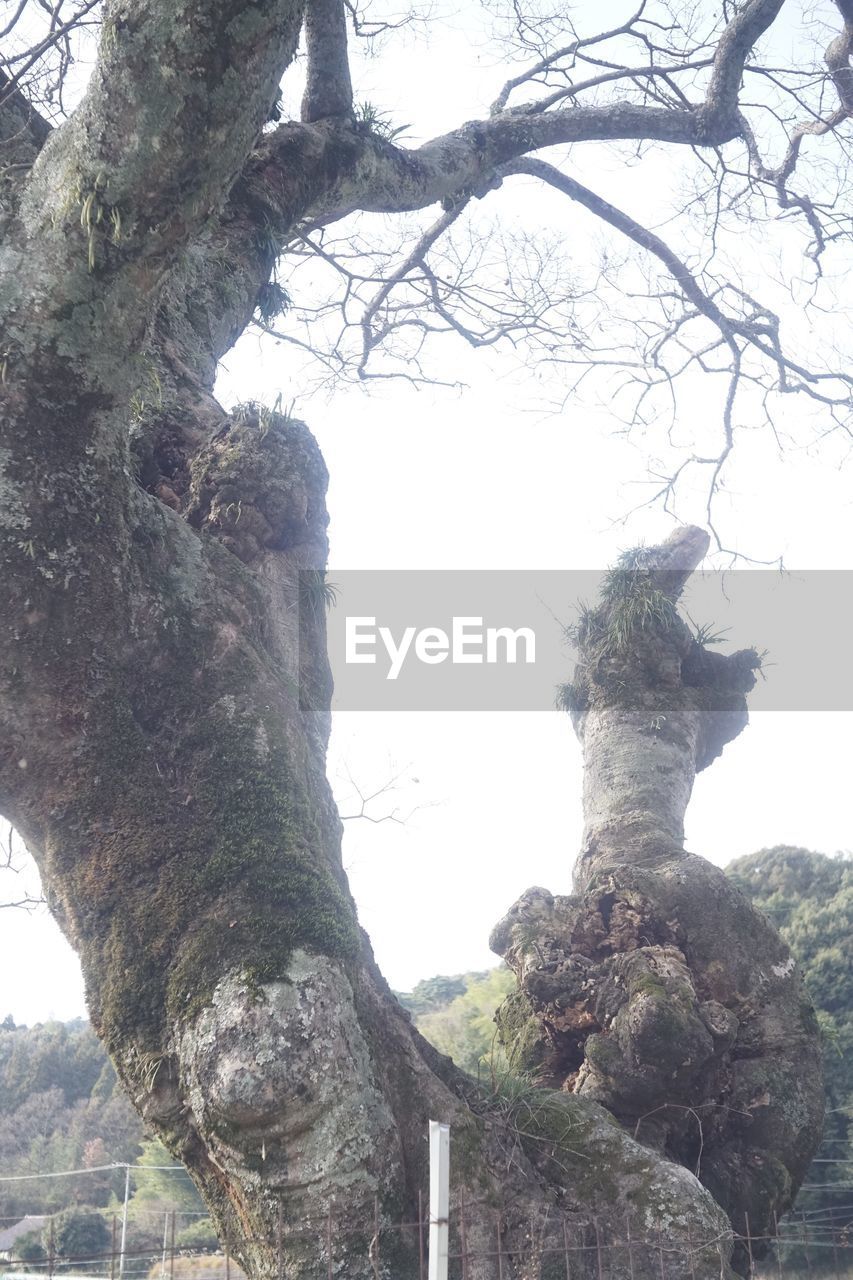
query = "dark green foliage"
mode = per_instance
[
  {"x": 434, "y": 993},
  {"x": 316, "y": 593},
  {"x": 81, "y": 1236},
  {"x": 54, "y": 1055},
  {"x": 809, "y": 897},
  {"x": 199, "y": 1235},
  {"x": 158, "y": 1186},
  {"x": 272, "y": 302},
  {"x": 75, "y": 1115},
  {"x": 632, "y": 603},
  {"x": 29, "y": 1248}
]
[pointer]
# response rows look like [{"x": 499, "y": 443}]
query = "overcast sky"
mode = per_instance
[{"x": 485, "y": 478}]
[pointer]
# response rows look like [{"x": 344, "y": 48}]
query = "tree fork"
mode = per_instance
[{"x": 165, "y": 697}]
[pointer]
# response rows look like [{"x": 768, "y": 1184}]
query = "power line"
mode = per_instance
[{"x": 97, "y": 1168}]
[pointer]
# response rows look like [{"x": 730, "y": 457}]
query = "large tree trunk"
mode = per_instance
[{"x": 657, "y": 989}]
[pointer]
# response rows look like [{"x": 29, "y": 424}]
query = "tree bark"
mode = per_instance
[{"x": 657, "y": 989}]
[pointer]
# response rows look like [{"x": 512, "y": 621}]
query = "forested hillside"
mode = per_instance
[
  {"x": 61, "y": 1106},
  {"x": 457, "y": 1015},
  {"x": 809, "y": 897}
]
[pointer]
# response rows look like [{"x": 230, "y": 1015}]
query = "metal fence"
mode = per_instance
[{"x": 818, "y": 1244}]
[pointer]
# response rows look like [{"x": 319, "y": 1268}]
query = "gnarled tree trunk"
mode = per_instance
[{"x": 657, "y": 989}]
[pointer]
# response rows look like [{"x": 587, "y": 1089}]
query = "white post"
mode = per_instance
[
  {"x": 124, "y": 1220},
  {"x": 439, "y": 1198},
  {"x": 165, "y": 1244}
]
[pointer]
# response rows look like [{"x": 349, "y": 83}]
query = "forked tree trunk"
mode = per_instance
[
  {"x": 166, "y": 709},
  {"x": 657, "y": 989},
  {"x": 164, "y": 697}
]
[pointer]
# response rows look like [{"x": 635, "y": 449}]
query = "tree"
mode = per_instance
[
  {"x": 161, "y": 1186},
  {"x": 164, "y": 716},
  {"x": 434, "y": 993},
  {"x": 199, "y": 1235},
  {"x": 657, "y": 989},
  {"x": 29, "y": 1248},
  {"x": 82, "y": 1238},
  {"x": 62, "y": 1108}
]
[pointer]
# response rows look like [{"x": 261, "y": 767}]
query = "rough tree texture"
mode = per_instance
[
  {"x": 657, "y": 989},
  {"x": 164, "y": 691}
]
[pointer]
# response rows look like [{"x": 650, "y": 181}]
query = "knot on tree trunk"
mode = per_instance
[
  {"x": 665, "y": 996},
  {"x": 260, "y": 484}
]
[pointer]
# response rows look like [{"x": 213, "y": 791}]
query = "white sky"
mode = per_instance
[{"x": 432, "y": 479}]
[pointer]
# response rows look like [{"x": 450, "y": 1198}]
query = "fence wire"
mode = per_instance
[{"x": 815, "y": 1242}]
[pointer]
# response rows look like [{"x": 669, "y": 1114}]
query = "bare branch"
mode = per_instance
[
  {"x": 752, "y": 328},
  {"x": 735, "y": 45},
  {"x": 567, "y": 51},
  {"x": 30, "y": 61},
  {"x": 371, "y": 336},
  {"x": 629, "y": 227},
  {"x": 9, "y": 861},
  {"x": 23, "y": 133},
  {"x": 386, "y": 789}
]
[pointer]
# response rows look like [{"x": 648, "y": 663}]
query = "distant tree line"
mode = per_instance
[
  {"x": 61, "y": 1107},
  {"x": 809, "y": 898}
]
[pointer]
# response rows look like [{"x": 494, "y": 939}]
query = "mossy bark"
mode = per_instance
[{"x": 657, "y": 989}]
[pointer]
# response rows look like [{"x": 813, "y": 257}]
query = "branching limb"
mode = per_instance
[
  {"x": 837, "y": 58},
  {"x": 366, "y": 798},
  {"x": 39, "y": 59},
  {"x": 19, "y": 119},
  {"x": 751, "y": 328},
  {"x": 328, "y": 91},
  {"x": 734, "y": 48},
  {"x": 147, "y": 165},
  {"x": 559, "y": 55}
]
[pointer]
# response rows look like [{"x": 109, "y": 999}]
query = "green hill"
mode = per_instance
[{"x": 809, "y": 897}]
